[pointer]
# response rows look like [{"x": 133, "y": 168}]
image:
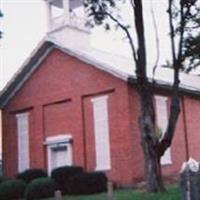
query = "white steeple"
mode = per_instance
[{"x": 66, "y": 21}]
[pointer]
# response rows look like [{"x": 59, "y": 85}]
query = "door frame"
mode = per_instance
[{"x": 55, "y": 141}]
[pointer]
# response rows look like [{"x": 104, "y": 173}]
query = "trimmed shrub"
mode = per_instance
[
  {"x": 12, "y": 189},
  {"x": 31, "y": 174},
  {"x": 62, "y": 175},
  {"x": 40, "y": 188},
  {"x": 88, "y": 183},
  {"x": 3, "y": 179}
]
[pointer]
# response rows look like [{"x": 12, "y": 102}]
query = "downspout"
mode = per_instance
[{"x": 185, "y": 128}]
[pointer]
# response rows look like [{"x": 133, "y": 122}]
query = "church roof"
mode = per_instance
[{"x": 118, "y": 66}]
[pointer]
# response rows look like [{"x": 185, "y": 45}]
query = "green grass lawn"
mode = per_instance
[{"x": 171, "y": 194}]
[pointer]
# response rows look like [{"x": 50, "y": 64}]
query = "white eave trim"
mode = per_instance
[{"x": 83, "y": 55}]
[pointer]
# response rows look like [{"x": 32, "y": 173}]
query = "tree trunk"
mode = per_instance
[
  {"x": 153, "y": 174},
  {"x": 153, "y": 148},
  {"x": 149, "y": 141}
]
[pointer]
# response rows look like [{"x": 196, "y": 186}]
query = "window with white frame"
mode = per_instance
[
  {"x": 101, "y": 131},
  {"x": 162, "y": 120},
  {"x": 23, "y": 141}
]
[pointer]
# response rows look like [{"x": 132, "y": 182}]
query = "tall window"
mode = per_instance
[
  {"x": 162, "y": 120},
  {"x": 23, "y": 141},
  {"x": 101, "y": 131}
]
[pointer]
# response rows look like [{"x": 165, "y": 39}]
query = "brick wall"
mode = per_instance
[
  {"x": 58, "y": 96},
  {"x": 192, "y": 112},
  {"x": 178, "y": 148}
]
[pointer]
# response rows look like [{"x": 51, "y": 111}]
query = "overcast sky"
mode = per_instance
[{"x": 23, "y": 25}]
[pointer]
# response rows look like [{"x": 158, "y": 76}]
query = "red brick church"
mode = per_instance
[{"x": 70, "y": 104}]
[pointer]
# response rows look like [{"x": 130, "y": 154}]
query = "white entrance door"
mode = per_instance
[
  {"x": 59, "y": 151},
  {"x": 61, "y": 156}
]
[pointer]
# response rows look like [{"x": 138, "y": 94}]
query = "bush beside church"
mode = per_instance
[{"x": 34, "y": 183}]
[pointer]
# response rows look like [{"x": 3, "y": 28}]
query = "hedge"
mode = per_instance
[
  {"x": 88, "y": 183},
  {"x": 3, "y": 179},
  {"x": 12, "y": 189},
  {"x": 40, "y": 188},
  {"x": 31, "y": 174},
  {"x": 62, "y": 175}
]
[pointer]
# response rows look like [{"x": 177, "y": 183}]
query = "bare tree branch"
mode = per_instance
[
  {"x": 125, "y": 29},
  {"x": 141, "y": 62},
  {"x": 172, "y": 31},
  {"x": 157, "y": 42},
  {"x": 152, "y": 147},
  {"x": 177, "y": 64},
  {"x": 132, "y": 5},
  {"x": 180, "y": 52}
]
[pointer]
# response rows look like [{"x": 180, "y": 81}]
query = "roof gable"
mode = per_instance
[
  {"x": 115, "y": 65},
  {"x": 25, "y": 72}
]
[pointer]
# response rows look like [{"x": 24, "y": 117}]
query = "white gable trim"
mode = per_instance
[
  {"x": 94, "y": 58},
  {"x": 163, "y": 76}
]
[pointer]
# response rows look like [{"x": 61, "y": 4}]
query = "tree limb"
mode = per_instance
[
  {"x": 125, "y": 29},
  {"x": 180, "y": 52},
  {"x": 177, "y": 64},
  {"x": 157, "y": 42},
  {"x": 141, "y": 62},
  {"x": 172, "y": 31}
]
